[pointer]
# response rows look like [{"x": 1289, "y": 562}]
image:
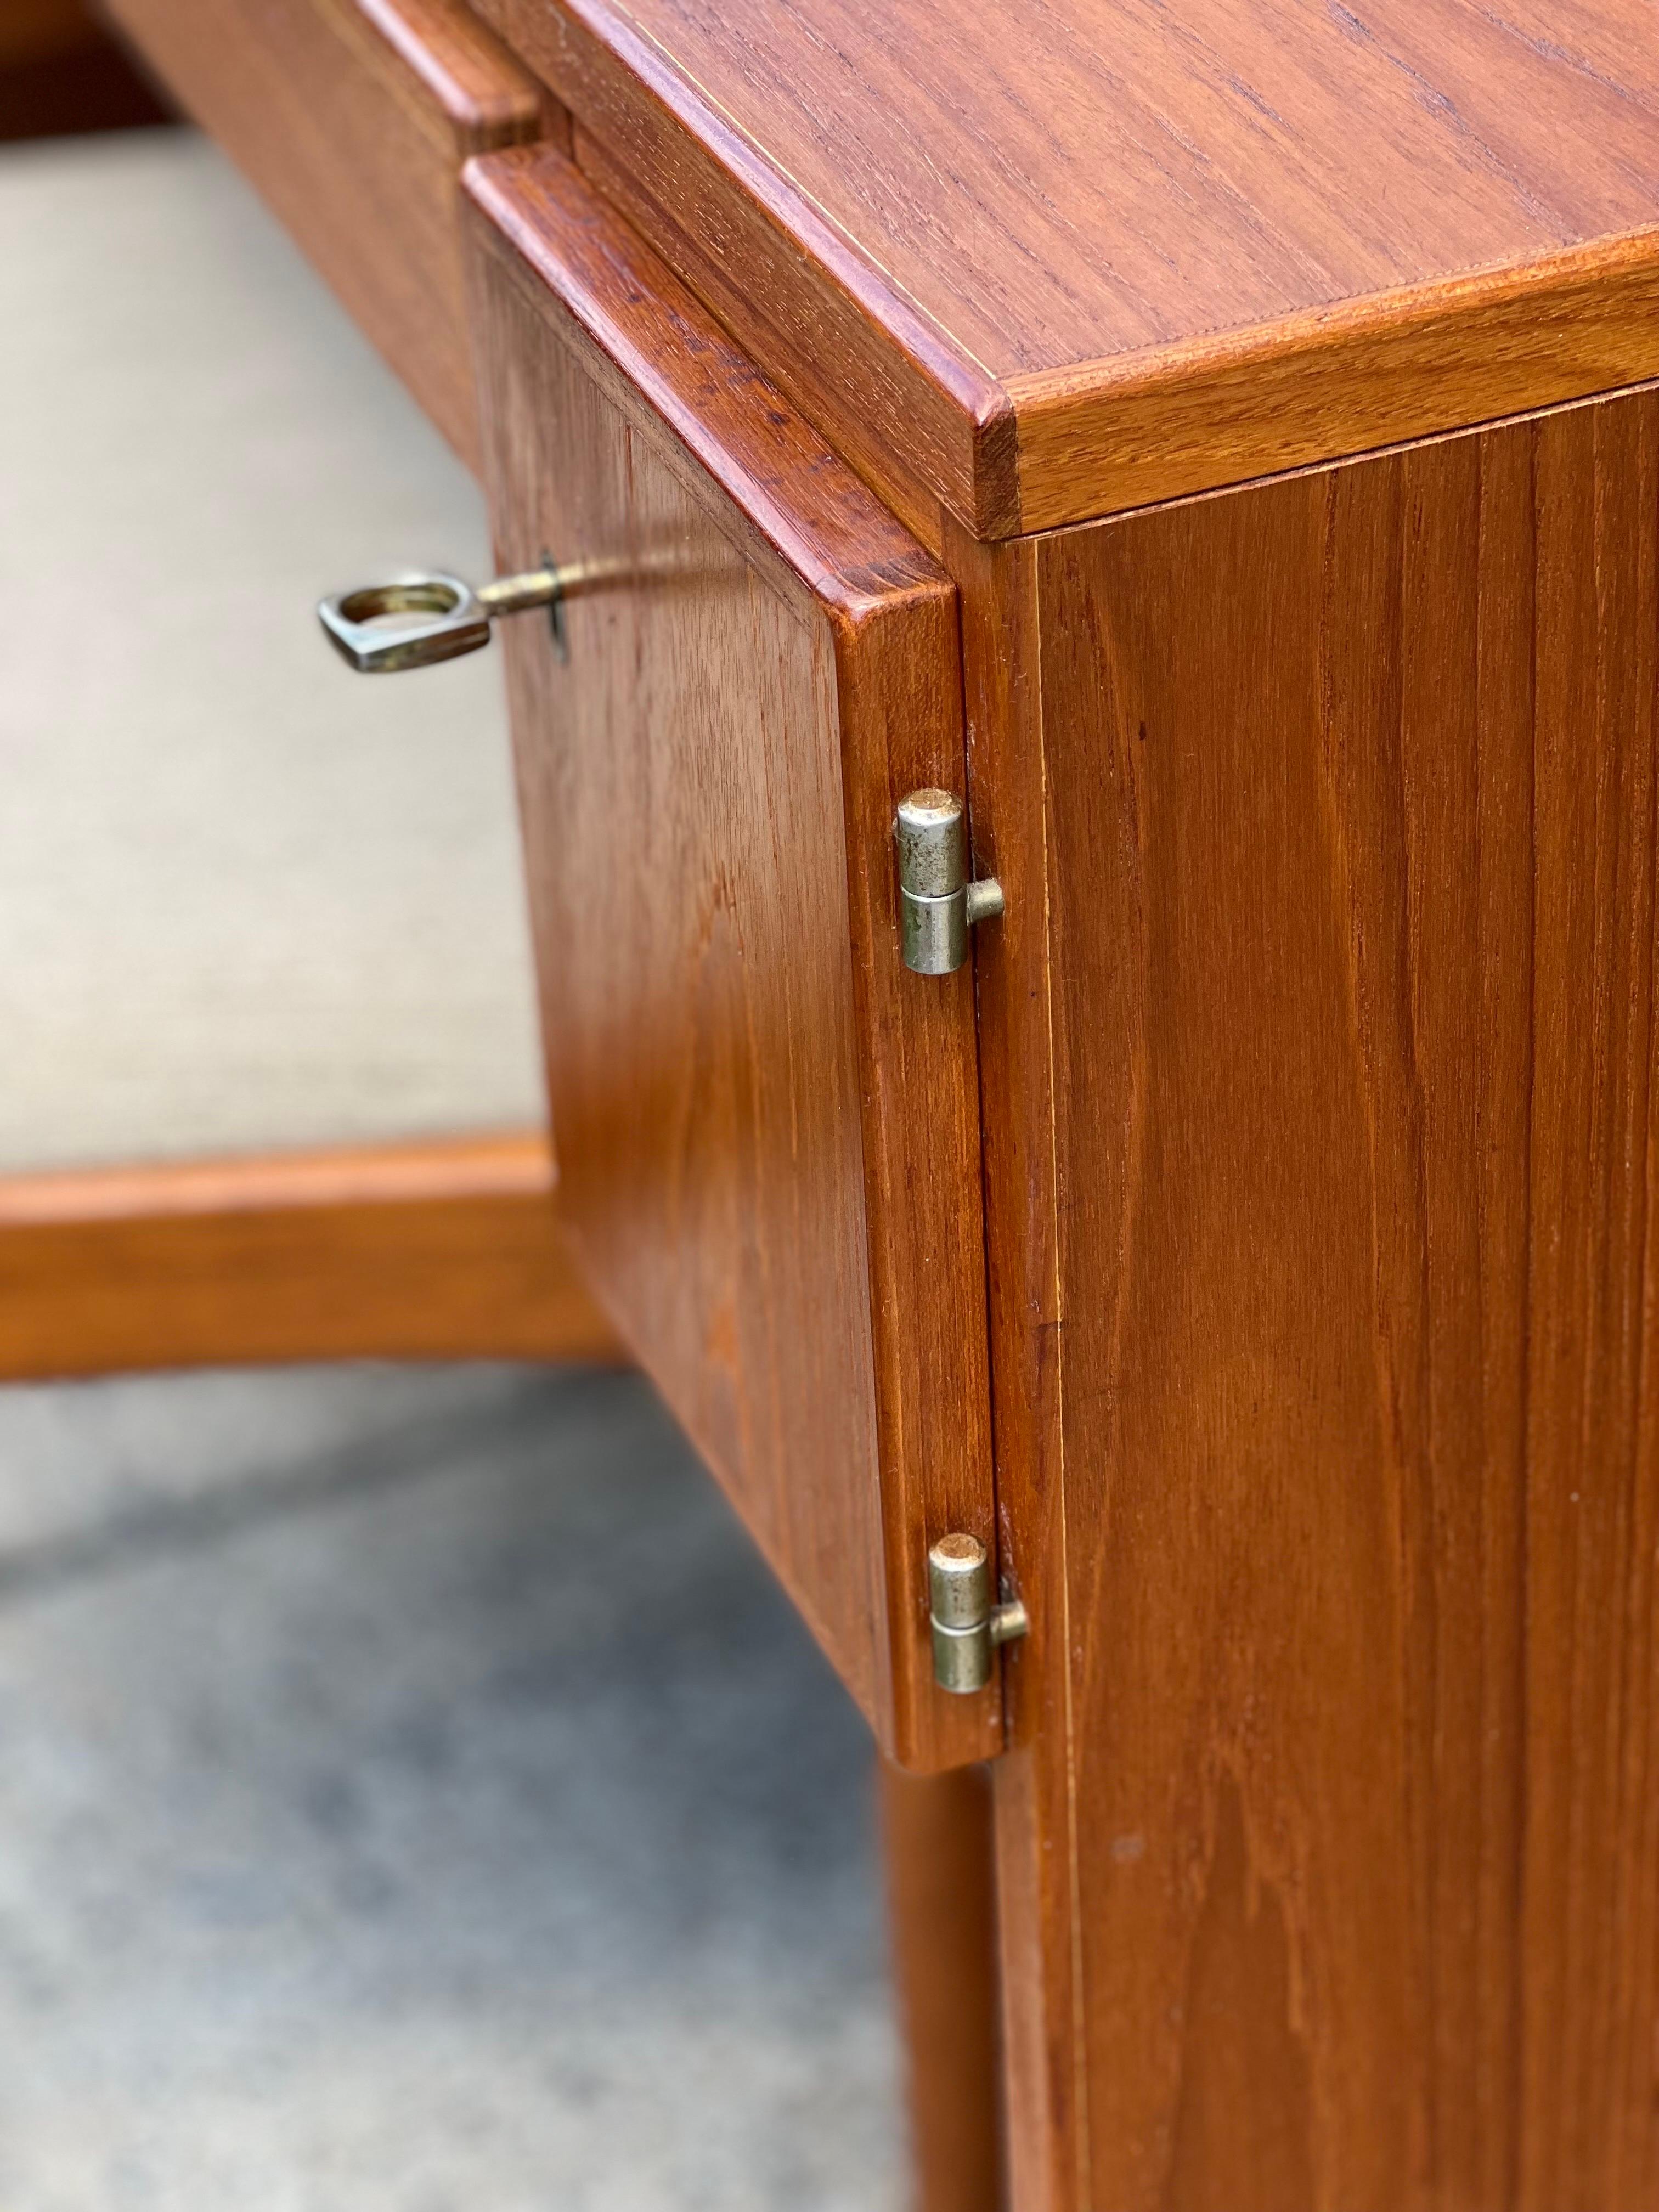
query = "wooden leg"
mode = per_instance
[{"x": 941, "y": 1903}]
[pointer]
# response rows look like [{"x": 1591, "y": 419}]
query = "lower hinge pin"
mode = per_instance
[{"x": 967, "y": 1627}]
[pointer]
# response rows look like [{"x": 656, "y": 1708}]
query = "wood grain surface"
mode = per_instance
[
  {"x": 434, "y": 1250},
  {"x": 352, "y": 119},
  {"x": 1323, "y": 1266},
  {"x": 903, "y": 438},
  {"x": 1036, "y": 1841},
  {"x": 1057, "y": 261},
  {"x": 941, "y": 1903},
  {"x": 767, "y": 1128}
]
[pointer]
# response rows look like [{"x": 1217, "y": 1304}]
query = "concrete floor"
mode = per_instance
[{"x": 415, "y": 1794}]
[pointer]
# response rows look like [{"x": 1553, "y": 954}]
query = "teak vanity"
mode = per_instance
[{"x": 1212, "y": 440}]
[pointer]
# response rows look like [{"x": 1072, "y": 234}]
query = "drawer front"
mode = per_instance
[
  {"x": 767, "y": 1128},
  {"x": 352, "y": 119}
]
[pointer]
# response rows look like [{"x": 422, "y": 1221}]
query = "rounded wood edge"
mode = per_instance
[{"x": 513, "y": 1164}]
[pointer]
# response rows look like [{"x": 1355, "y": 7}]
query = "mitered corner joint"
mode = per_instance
[
  {"x": 967, "y": 1627},
  {"x": 937, "y": 905}
]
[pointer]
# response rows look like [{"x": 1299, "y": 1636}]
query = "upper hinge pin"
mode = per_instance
[{"x": 937, "y": 905}]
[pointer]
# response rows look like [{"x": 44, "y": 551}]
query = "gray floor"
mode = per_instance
[{"x": 414, "y": 1795}]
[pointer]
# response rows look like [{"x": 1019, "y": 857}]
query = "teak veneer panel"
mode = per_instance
[
  {"x": 352, "y": 118},
  {"x": 1057, "y": 261},
  {"x": 768, "y": 1129},
  {"x": 1323, "y": 1268},
  {"x": 430, "y": 1250}
]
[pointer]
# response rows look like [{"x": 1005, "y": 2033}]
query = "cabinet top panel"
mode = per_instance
[{"x": 1079, "y": 252}]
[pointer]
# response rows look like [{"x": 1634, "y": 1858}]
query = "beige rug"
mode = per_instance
[{"x": 247, "y": 897}]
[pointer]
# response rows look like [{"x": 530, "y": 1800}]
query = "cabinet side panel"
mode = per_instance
[{"x": 1349, "y": 809}]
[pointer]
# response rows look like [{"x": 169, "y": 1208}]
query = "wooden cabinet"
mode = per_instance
[
  {"x": 767, "y": 1128},
  {"x": 1222, "y": 441}
]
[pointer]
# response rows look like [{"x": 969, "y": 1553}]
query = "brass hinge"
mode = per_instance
[
  {"x": 937, "y": 905},
  {"x": 967, "y": 1627}
]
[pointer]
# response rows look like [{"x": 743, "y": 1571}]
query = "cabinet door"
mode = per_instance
[{"x": 767, "y": 1127}]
